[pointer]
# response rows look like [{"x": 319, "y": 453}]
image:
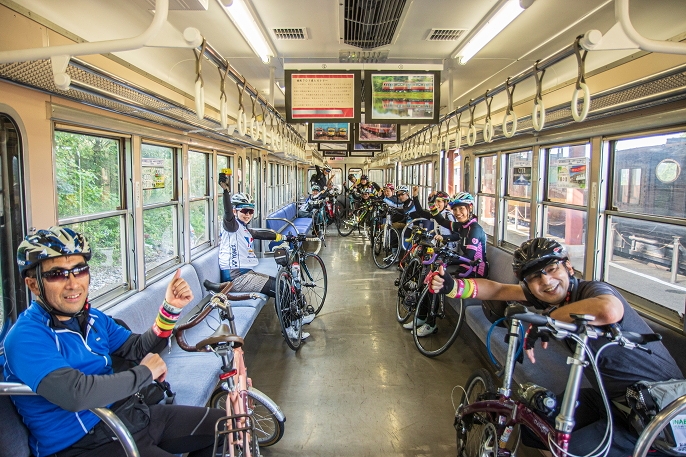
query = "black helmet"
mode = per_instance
[{"x": 535, "y": 254}]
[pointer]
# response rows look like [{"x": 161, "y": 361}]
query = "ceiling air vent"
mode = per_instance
[
  {"x": 445, "y": 34},
  {"x": 291, "y": 33},
  {"x": 369, "y": 24}
]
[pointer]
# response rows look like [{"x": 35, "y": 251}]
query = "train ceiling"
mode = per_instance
[{"x": 315, "y": 32}]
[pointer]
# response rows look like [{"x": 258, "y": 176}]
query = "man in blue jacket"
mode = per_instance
[{"x": 62, "y": 349}]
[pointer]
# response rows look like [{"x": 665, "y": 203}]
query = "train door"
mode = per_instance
[{"x": 12, "y": 222}]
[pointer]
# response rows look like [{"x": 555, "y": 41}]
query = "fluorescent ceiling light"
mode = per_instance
[
  {"x": 240, "y": 15},
  {"x": 507, "y": 12}
]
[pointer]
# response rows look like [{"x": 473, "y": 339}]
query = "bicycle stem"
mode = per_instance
[{"x": 510, "y": 360}]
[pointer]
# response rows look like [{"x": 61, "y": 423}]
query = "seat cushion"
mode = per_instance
[
  {"x": 14, "y": 436},
  {"x": 207, "y": 268}
]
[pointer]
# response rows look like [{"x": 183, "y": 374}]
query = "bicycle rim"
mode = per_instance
[
  {"x": 448, "y": 320},
  {"x": 268, "y": 428},
  {"x": 314, "y": 281},
  {"x": 409, "y": 284},
  {"x": 288, "y": 310},
  {"x": 383, "y": 251},
  {"x": 470, "y": 431},
  {"x": 347, "y": 224}
]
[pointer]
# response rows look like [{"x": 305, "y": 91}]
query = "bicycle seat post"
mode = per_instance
[{"x": 511, "y": 358}]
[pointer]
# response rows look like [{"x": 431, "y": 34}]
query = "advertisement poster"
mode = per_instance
[
  {"x": 153, "y": 173},
  {"x": 569, "y": 173}
]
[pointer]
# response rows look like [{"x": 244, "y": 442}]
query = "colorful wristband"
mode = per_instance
[
  {"x": 468, "y": 288},
  {"x": 460, "y": 288},
  {"x": 476, "y": 289},
  {"x": 166, "y": 319}
]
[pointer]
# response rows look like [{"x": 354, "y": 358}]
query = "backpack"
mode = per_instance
[{"x": 646, "y": 399}]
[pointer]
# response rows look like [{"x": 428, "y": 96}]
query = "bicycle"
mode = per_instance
[
  {"x": 447, "y": 316},
  {"x": 301, "y": 286},
  {"x": 485, "y": 418},
  {"x": 356, "y": 218},
  {"x": 652, "y": 435},
  {"x": 412, "y": 273},
  {"x": 319, "y": 220},
  {"x": 253, "y": 418},
  {"x": 386, "y": 243}
]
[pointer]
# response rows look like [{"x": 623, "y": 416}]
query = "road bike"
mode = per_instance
[
  {"x": 412, "y": 273},
  {"x": 386, "y": 242},
  {"x": 486, "y": 417},
  {"x": 253, "y": 419},
  {"x": 356, "y": 219},
  {"x": 301, "y": 286},
  {"x": 653, "y": 436}
]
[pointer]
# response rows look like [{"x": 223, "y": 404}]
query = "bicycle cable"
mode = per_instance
[
  {"x": 604, "y": 446},
  {"x": 488, "y": 342}
]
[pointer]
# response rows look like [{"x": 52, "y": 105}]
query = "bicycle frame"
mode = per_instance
[{"x": 510, "y": 412}]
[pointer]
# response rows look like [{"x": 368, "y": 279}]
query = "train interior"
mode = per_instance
[{"x": 564, "y": 119}]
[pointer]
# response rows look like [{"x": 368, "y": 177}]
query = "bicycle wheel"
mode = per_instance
[
  {"x": 288, "y": 309},
  {"x": 347, "y": 223},
  {"x": 268, "y": 428},
  {"x": 474, "y": 436},
  {"x": 408, "y": 290},
  {"x": 338, "y": 213},
  {"x": 448, "y": 316},
  {"x": 313, "y": 281},
  {"x": 383, "y": 250}
]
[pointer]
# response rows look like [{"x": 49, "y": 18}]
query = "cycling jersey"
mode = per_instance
[
  {"x": 236, "y": 247},
  {"x": 471, "y": 240}
]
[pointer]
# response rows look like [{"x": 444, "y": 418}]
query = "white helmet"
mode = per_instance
[
  {"x": 241, "y": 200},
  {"x": 402, "y": 189}
]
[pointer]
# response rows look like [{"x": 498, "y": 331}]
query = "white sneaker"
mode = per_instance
[
  {"x": 410, "y": 325},
  {"x": 425, "y": 330},
  {"x": 292, "y": 334},
  {"x": 308, "y": 318},
  {"x": 304, "y": 335}
]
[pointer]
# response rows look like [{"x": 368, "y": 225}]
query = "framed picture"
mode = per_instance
[
  {"x": 377, "y": 133},
  {"x": 323, "y": 95},
  {"x": 361, "y": 153},
  {"x": 329, "y": 132},
  {"x": 404, "y": 97},
  {"x": 335, "y": 153},
  {"x": 367, "y": 147},
  {"x": 332, "y": 147}
]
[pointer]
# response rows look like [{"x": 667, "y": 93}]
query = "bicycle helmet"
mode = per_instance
[
  {"x": 48, "y": 244},
  {"x": 368, "y": 190},
  {"x": 241, "y": 200},
  {"x": 535, "y": 254},
  {"x": 363, "y": 177},
  {"x": 439, "y": 195},
  {"x": 402, "y": 188},
  {"x": 351, "y": 176},
  {"x": 315, "y": 187},
  {"x": 390, "y": 186},
  {"x": 326, "y": 167},
  {"x": 461, "y": 199}
]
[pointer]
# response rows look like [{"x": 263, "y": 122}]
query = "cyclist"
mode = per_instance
[
  {"x": 321, "y": 177},
  {"x": 351, "y": 190},
  {"x": 547, "y": 282},
  {"x": 389, "y": 194},
  {"x": 316, "y": 197},
  {"x": 404, "y": 206},
  {"x": 237, "y": 251},
  {"x": 70, "y": 365},
  {"x": 466, "y": 231},
  {"x": 365, "y": 183}
]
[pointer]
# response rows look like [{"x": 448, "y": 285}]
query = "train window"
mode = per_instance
[
  {"x": 223, "y": 162},
  {"x": 160, "y": 208},
  {"x": 89, "y": 199},
  {"x": 199, "y": 199},
  {"x": 564, "y": 207},
  {"x": 239, "y": 174},
  {"x": 376, "y": 176},
  {"x": 518, "y": 197},
  {"x": 337, "y": 178},
  {"x": 645, "y": 253},
  {"x": 486, "y": 193}
]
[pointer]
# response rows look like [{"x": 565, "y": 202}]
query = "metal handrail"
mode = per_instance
[
  {"x": 656, "y": 425},
  {"x": 106, "y": 415}
]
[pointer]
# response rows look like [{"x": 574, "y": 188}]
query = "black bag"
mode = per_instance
[
  {"x": 281, "y": 256},
  {"x": 493, "y": 309}
]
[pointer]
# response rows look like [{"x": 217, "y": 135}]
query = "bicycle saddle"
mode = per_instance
[
  {"x": 213, "y": 286},
  {"x": 221, "y": 335}
]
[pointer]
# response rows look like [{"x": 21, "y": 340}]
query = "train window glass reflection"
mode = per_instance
[
  {"x": 89, "y": 177},
  {"x": 337, "y": 178},
  {"x": 568, "y": 226},
  {"x": 160, "y": 210},
  {"x": 199, "y": 203},
  {"x": 517, "y": 197},
  {"x": 222, "y": 162},
  {"x": 566, "y": 181},
  {"x": 640, "y": 256},
  {"x": 486, "y": 213},
  {"x": 647, "y": 175},
  {"x": 376, "y": 176}
]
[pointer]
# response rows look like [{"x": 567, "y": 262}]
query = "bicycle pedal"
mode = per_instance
[{"x": 396, "y": 283}]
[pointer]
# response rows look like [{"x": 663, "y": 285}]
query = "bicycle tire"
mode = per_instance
[
  {"x": 237, "y": 438},
  {"x": 268, "y": 428},
  {"x": 288, "y": 310},
  {"x": 447, "y": 323},
  {"x": 382, "y": 250},
  {"x": 471, "y": 432},
  {"x": 409, "y": 283},
  {"x": 314, "y": 281},
  {"x": 348, "y": 223}
]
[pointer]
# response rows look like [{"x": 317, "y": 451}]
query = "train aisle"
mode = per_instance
[{"x": 358, "y": 386}]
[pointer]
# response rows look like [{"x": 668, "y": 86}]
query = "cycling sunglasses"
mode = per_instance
[
  {"x": 247, "y": 211},
  {"x": 62, "y": 275}
]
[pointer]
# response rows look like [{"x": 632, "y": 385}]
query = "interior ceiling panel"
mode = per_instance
[{"x": 369, "y": 24}]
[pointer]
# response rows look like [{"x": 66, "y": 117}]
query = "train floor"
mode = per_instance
[{"x": 358, "y": 386}]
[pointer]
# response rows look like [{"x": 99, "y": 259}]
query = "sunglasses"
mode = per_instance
[
  {"x": 247, "y": 211},
  {"x": 548, "y": 270},
  {"x": 62, "y": 275}
]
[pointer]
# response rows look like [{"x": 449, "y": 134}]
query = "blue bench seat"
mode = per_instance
[{"x": 289, "y": 212}]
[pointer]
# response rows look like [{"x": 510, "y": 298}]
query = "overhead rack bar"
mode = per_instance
[{"x": 538, "y": 66}]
